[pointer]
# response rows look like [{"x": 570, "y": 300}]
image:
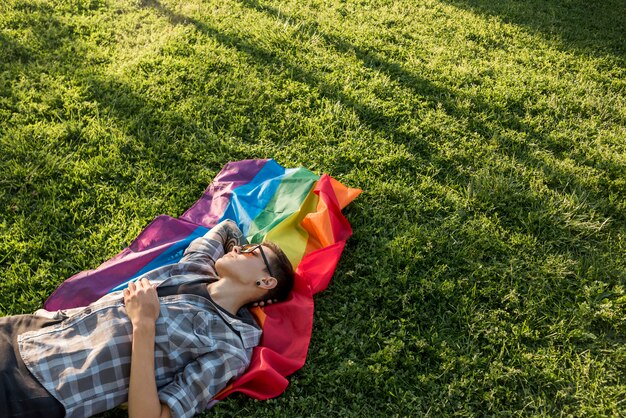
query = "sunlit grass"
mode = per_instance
[{"x": 486, "y": 271}]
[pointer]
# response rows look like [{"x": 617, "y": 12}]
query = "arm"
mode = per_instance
[
  {"x": 227, "y": 233},
  {"x": 215, "y": 243},
  {"x": 142, "y": 307}
]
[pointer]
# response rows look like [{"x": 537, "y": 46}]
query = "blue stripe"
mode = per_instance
[
  {"x": 248, "y": 200},
  {"x": 171, "y": 255}
]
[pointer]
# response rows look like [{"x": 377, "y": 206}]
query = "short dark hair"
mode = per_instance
[{"x": 283, "y": 273}]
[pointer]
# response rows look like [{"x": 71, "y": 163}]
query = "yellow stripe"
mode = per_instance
[{"x": 289, "y": 235}]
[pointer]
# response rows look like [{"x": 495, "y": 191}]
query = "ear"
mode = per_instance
[{"x": 268, "y": 283}]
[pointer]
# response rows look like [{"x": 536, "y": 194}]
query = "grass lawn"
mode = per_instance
[{"x": 487, "y": 271}]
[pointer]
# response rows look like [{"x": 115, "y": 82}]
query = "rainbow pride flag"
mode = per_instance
[{"x": 295, "y": 208}]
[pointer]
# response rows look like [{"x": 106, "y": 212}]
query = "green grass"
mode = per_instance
[{"x": 486, "y": 274}]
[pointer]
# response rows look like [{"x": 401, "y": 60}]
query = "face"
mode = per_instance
[{"x": 246, "y": 267}]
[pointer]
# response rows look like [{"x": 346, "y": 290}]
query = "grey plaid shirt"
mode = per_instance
[{"x": 84, "y": 360}]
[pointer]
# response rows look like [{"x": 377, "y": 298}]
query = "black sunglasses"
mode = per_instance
[{"x": 249, "y": 248}]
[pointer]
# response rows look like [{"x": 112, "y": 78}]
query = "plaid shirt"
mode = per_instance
[{"x": 84, "y": 360}]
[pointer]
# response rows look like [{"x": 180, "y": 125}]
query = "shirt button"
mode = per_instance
[{"x": 87, "y": 311}]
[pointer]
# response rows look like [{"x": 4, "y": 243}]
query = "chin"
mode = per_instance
[{"x": 218, "y": 266}]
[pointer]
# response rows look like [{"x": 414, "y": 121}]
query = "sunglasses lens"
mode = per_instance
[{"x": 248, "y": 248}]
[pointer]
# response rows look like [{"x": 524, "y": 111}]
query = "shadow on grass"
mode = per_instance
[
  {"x": 509, "y": 118},
  {"x": 129, "y": 111},
  {"x": 261, "y": 57},
  {"x": 12, "y": 51},
  {"x": 594, "y": 27}
]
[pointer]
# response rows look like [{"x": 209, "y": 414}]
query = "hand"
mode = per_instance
[{"x": 142, "y": 302}]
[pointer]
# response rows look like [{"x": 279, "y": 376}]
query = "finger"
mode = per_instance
[{"x": 131, "y": 286}]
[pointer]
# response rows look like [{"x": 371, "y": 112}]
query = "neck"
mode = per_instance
[{"x": 229, "y": 295}]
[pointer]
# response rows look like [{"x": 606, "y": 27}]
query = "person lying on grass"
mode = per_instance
[{"x": 166, "y": 345}]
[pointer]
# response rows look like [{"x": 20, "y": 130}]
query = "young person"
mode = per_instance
[{"x": 166, "y": 345}]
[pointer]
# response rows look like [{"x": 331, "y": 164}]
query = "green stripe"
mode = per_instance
[{"x": 290, "y": 194}]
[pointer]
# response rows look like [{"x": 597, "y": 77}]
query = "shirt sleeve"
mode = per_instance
[
  {"x": 215, "y": 243},
  {"x": 191, "y": 390}
]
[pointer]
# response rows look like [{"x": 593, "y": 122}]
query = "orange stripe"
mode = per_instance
[{"x": 259, "y": 315}]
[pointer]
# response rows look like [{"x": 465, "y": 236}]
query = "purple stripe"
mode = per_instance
[
  {"x": 208, "y": 210},
  {"x": 90, "y": 285}
]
